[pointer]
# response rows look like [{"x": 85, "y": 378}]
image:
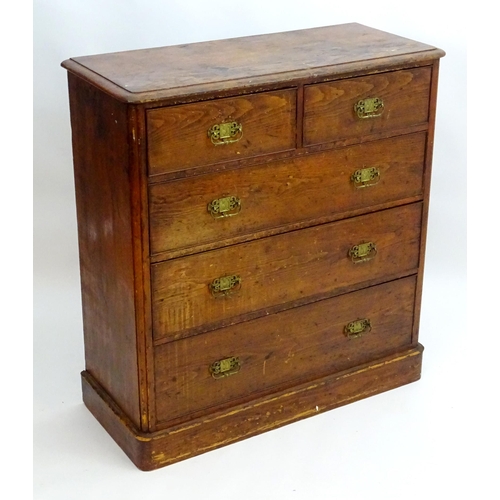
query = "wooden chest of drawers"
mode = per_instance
[{"x": 252, "y": 216}]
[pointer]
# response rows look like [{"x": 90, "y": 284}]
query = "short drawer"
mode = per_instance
[
  {"x": 213, "y": 289},
  {"x": 357, "y": 107},
  {"x": 190, "y": 212},
  {"x": 275, "y": 351},
  {"x": 186, "y": 136}
]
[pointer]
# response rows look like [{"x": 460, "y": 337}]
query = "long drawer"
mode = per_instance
[
  {"x": 299, "y": 344},
  {"x": 213, "y": 289},
  {"x": 216, "y": 207}
]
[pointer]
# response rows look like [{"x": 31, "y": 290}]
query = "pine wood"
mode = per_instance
[
  {"x": 104, "y": 235},
  {"x": 168, "y": 74},
  {"x": 152, "y": 450},
  {"x": 282, "y": 350},
  {"x": 284, "y": 192},
  {"x": 177, "y": 135},
  {"x": 299, "y": 265},
  {"x": 328, "y": 107},
  {"x": 145, "y": 170}
]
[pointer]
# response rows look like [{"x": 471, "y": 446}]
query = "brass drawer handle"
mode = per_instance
[
  {"x": 369, "y": 108},
  {"x": 225, "y": 367},
  {"x": 225, "y": 285},
  {"x": 224, "y": 207},
  {"x": 225, "y": 133},
  {"x": 363, "y": 252},
  {"x": 357, "y": 328},
  {"x": 365, "y": 177}
]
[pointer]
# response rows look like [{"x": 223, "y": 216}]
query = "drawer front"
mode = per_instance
[
  {"x": 186, "y": 136},
  {"x": 366, "y": 105},
  {"x": 278, "y": 350},
  {"x": 187, "y": 212},
  {"x": 197, "y": 293}
]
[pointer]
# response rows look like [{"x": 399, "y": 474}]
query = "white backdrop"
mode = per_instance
[{"x": 413, "y": 442}]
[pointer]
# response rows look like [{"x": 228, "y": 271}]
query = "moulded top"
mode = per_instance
[{"x": 180, "y": 70}]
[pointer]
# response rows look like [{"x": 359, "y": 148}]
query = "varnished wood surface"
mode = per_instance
[
  {"x": 251, "y": 161},
  {"x": 99, "y": 130},
  {"x": 285, "y": 192},
  {"x": 150, "y": 451},
  {"x": 178, "y": 135},
  {"x": 140, "y": 245},
  {"x": 282, "y": 349},
  {"x": 325, "y": 219},
  {"x": 143, "y": 75},
  {"x": 281, "y": 269},
  {"x": 329, "y": 107},
  {"x": 142, "y": 179}
]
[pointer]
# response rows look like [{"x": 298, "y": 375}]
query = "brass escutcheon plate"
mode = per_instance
[
  {"x": 365, "y": 177},
  {"x": 357, "y": 328},
  {"x": 225, "y": 133},
  {"x": 363, "y": 252},
  {"x": 225, "y": 285},
  {"x": 225, "y": 367},
  {"x": 369, "y": 108},
  {"x": 227, "y": 206}
]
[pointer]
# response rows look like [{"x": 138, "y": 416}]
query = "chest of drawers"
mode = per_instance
[{"x": 251, "y": 220}]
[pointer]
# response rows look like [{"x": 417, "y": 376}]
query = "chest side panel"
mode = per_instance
[{"x": 101, "y": 163}]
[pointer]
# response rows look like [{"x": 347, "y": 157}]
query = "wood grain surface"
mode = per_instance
[
  {"x": 150, "y": 451},
  {"x": 281, "y": 269},
  {"x": 282, "y": 349},
  {"x": 329, "y": 107},
  {"x": 99, "y": 128},
  {"x": 145, "y": 171},
  {"x": 284, "y": 192},
  {"x": 247, "y": 62},
  {"x": 178, "y": 135}
]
